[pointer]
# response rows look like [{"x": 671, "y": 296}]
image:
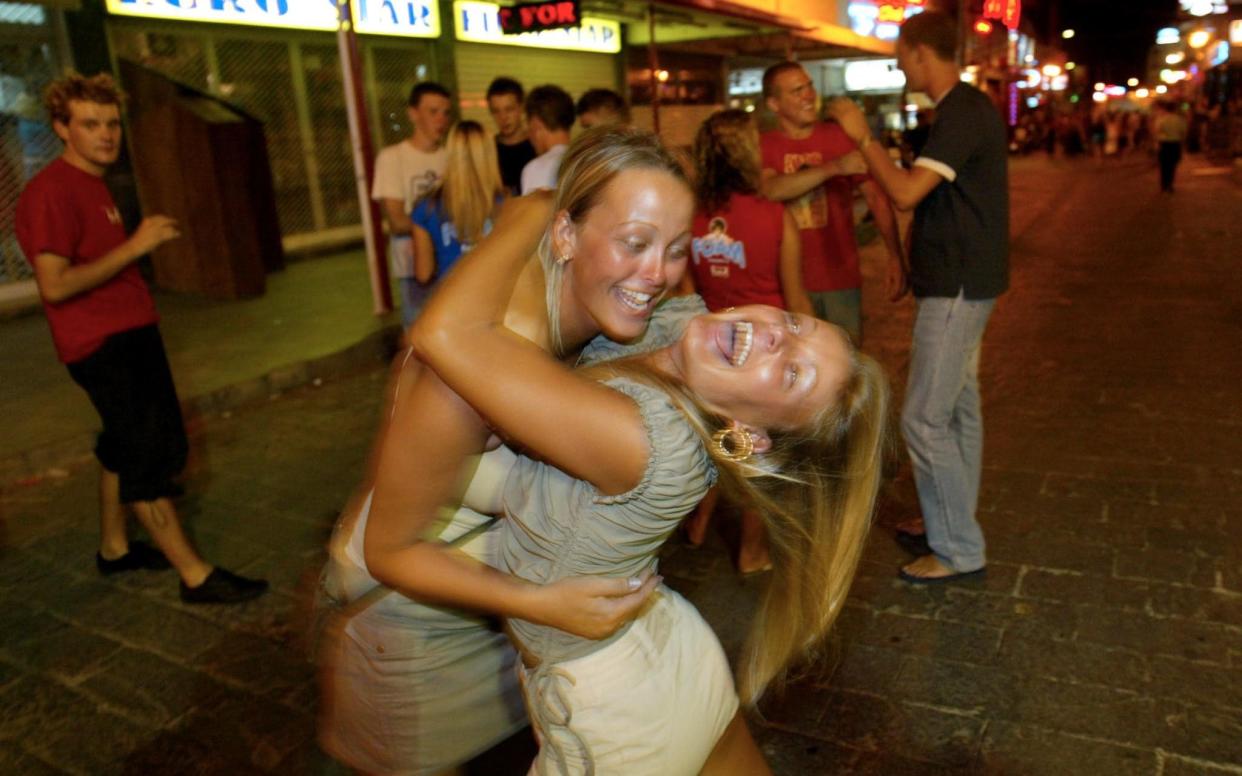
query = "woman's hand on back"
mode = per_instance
[{"x": 594, "y": 607}]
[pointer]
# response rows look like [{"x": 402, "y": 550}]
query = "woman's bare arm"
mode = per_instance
[
  {"x": 578, "y": 425},
  {"x": 431, "y": 434},
  {"x": 424, "y": 451}
]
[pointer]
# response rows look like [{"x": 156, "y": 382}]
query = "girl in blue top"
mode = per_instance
[{"x": 455, "y": 216}]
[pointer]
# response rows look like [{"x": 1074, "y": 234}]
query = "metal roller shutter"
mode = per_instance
[{"x": 573, "y": 71}]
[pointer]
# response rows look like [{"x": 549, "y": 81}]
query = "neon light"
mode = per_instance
[
  {"x": 479, "y": 22},
  {"x": 1220, "y": 54},
  {"x": 1007, "y": 12},
  {"x": 881, "y": 18}
]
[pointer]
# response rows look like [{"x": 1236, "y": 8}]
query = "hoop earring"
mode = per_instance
[{"x": 743, "y": 445}]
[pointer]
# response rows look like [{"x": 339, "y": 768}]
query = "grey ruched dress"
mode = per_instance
[{"x": 413, "y": 688}]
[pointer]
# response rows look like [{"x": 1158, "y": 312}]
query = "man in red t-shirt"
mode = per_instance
[
  {"x": 814, "y": 167},
  {"x": 103, "y": 323}
]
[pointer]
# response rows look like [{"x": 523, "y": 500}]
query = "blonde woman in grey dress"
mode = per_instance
[
  {"x": 778, "y": 405},
  {"x": 414, "y": 680}
]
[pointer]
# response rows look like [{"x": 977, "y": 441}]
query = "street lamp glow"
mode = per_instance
[
  {"x": 1174, "y": 58},
  {"x": 1099, "y": 96},
  {"x": 1199, "y": 38},
  {"x": 1142, "y": 94},
  {"x": 1161, "y": 89},
  {"x": 1132, "y": 82},
  {"x": 1099, "y": 86},
  {"x": 1067, "y": 34},
  {"x": 1052, "y": 71},
  {"x": 1070, "y": 66}
]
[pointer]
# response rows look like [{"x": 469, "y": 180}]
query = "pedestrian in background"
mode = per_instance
[
  {"x": 959, "y": 264},
  {"x": 504, "y": 102},
  {"x": 812, "y": 166},
  {"x": 602, "y": 106},
  {"x": 745, "y": 250},
  {"x": 105, "y": 328},
  {"x": 1169, "y": 128},
  {"x": 404, "y": 173},
  {"x": 549, "y": 116},
  {"x": 459, "y": 212}
]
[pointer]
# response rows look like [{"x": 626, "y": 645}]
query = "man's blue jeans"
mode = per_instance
[{"x": 942, "y": 423}]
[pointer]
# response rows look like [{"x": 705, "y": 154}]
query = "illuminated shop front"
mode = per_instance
[{"x": 278, "y": 60}]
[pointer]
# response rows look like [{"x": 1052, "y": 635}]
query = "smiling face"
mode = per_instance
[
  {"x": 793, "y": 100},
  {"x": 764, "y": 367},
  {"x": 93, "y": 135},
  {"x": 626, "y": 252}
]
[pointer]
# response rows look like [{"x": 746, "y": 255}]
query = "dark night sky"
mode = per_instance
[
  {"x": 1114, "y": 36},
  {"x": 1111, "y": 36}
]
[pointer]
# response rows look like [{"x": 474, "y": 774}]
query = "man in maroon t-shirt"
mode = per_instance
[
  {"x": 813, "y": 167},
  {"x": 103, "y": 323}
]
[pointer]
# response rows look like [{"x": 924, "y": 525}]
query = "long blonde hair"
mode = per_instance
[
  {"x": 815, "y": 490},
  {"x": 472, "y": 182},
  {"x": 594, "y": 158}
]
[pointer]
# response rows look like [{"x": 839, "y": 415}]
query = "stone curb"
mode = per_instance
[{"x": 376, "y": 347}]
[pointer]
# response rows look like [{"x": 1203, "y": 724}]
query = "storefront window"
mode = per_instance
[
  {"x": 292, "y": 83},
  {"x": 392, "y": 71},
  {"x": 27, "y": 143},
  {"x": 684, "y": 79}
]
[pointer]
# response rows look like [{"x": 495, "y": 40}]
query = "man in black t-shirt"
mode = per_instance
[
  {"x": 504, "y": 102},
  {"x": 959, "y": 263}
]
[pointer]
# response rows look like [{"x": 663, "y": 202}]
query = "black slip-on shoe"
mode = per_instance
[
  {"x": 223, "y": 587},
  {"x": 140, "y": 556},
  {"x": 957, "y": 576}
]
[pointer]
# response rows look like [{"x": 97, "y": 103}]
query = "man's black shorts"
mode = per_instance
[{"x": 143, "y": 439}]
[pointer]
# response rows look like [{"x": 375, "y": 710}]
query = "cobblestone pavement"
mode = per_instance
[{"x": 1106, "y": 639}]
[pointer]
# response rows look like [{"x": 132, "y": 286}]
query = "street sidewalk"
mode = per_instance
[
  {"x": 314, "y": 321},
  {"x": 1106, "y": 639}
]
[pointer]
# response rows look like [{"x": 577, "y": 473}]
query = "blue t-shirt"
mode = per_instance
[{"x": 428, "y": 215}]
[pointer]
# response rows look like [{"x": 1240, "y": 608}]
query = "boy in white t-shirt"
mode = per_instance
[
  {"x": 549, "y": 117},
  {"x": 404, "y": 173}
]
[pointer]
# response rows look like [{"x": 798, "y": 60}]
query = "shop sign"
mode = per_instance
[
  {"x": 292, "y": 14},
  {"x": 873, "y": 75},
  {"x": 479, "y": 22},
  {"x": 535, "y": 17},
  {"x": 408, "y": 18},
  {"x": 881, "y": 18}
]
